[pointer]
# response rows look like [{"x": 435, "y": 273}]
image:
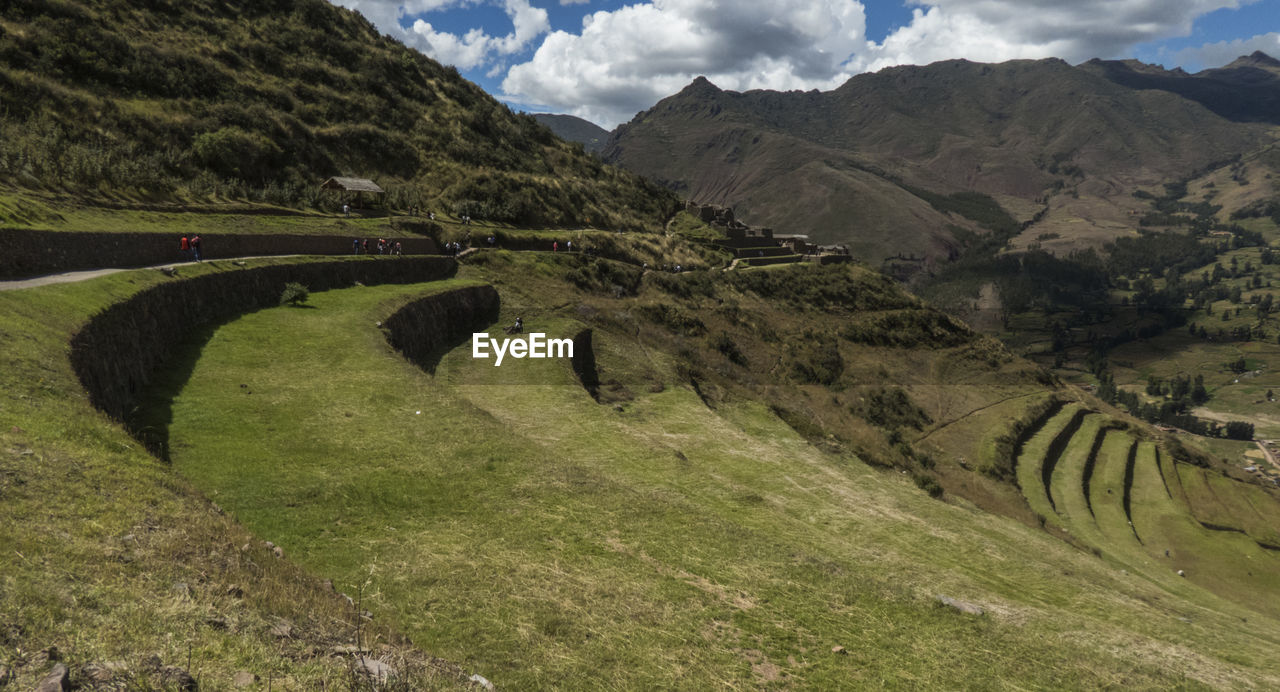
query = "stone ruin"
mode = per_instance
[{"x": 722, "y": 217}]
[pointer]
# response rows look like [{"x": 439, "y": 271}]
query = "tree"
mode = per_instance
[
  {"x": 1199, "y": 394},
  {"x": 1239, "y": 430}
]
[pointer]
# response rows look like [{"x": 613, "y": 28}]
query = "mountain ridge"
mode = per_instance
[{"x": 1027, "y": 129}]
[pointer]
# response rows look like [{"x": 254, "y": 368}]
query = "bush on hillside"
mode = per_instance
[
  {"x": 294, "y": 294},
  {"x": 890, "y": 408},
  {"x": 814, "y": 358},
  {"x": 725, "y": 344}
]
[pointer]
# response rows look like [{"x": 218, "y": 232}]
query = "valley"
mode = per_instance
[{"x": 954, "y": 376}]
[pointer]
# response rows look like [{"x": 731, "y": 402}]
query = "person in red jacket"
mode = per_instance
[{"x": 185, "y": 245}]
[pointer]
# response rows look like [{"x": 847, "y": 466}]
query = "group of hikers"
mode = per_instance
[
  {"x": 190, "y": 247},
  {"x": 383, "y": 246}
]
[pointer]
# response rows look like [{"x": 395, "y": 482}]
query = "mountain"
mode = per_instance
[
  {"x": 1248, "y": 89},
  {"x": 1047, "y": 140},
  {"x": 206, "y": 100},
  {"x": 574, "y": 129}
]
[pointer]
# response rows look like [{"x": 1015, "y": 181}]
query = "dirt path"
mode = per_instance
[
  {"x": 970, "y": 413},
  {"x": 1266, "y": 451}
]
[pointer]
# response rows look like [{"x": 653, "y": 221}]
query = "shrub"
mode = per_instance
[
  {"x": 235, "y": 153},
  {"x": 294, "y": 294},
  {"x": 815, "y": 359},
  {"x": 929, "y": 484},
  {"x": 890, "y": 408},
  {"x": 727, "y": 346}
]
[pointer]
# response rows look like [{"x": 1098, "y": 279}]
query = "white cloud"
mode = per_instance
[
  {"x": 1220, "y": 53},
  {"x": 996, "y": 30},
  {"x": 573, "y": 2},
  {"x": 472, "y": 49},
  {"x": 625, "y": 60}
]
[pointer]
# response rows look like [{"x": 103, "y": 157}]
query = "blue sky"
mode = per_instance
[{"x": 538, "y": 55}]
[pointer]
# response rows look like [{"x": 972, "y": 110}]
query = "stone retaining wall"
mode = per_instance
[
  {"x": 119, "y": 350},
  {"x": 424, "y": 328},
  {"x": 25, "y": 253}
]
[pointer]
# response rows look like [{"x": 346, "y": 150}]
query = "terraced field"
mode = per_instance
[{"x": 1125, "y": 499}]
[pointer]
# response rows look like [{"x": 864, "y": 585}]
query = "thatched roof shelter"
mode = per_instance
[{"x": 351, "y": 185}]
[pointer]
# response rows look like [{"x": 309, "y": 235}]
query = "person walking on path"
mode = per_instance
[
  {"x": 555, "y": 246},
  {"x": 355, "y": 246},
  {"x": 195, "y": 246},
  {"x": 185, "y": 245},
  {"x": 399, "y": 250},
  {"x": 346, "y": 210}
]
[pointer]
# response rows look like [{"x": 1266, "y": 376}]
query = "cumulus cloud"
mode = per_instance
[
  {"x": 624, "y": 60},
  {"x": 996, "y": 30},
  {"x": 466, "y": 51},
  {"x": 1218, "y": 54}
]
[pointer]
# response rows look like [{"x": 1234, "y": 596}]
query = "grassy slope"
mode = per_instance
[
  {"x": 547, "y": 540},
  {"x": 1031, "y": 462},
  {"x": 1106, "y": 491},
  {"x": 110, "y": 556},
  {"x": 209, "y": 102},
  {"x": 1067, "y": 486}
]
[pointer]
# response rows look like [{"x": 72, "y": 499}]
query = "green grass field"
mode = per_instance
[
  {"x": 543, "y": 539},
  {"x": 531, "y": 535}
]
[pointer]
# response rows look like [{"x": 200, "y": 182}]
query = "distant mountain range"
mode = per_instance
[
  {"x": 575, "y": 129},
  {"x": 863, "y": 164}
]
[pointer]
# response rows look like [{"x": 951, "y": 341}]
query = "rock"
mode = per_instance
[
  {"x": 328, "y": 584},
  {"x": 1181, "y": 573},
  {"x": 245, "y": 548},
  {"x": 377, "y": 671},
  {"x": 182, "y": 589},
  {"x": 282, "y": 630},
  {"x": 177, "y": 677},
  {"x": 838, "y": 650},
  {"x": 279, "y": 552},
  {"x": 103, "y": 673},
  {"x": 345, "y": 650},
  {"x": 481, "y": 681},
  {"x": 270, "y": 545},
  {"x": 961, "y": 606},
  {"x": 243, "y": 678},
  {"x": 152, "y": 663},
  {"x": 235, "y": 591},
  {"x": 216, "y": 621},
  {"x": 56, "y": 681}
]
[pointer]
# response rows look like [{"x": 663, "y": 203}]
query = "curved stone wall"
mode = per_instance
[
  {"x": 424, "y": 328},
  {"x": 120, "y": 349}
]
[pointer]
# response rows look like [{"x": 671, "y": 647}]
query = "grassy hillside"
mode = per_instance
[
  {"x": 112, "y": 559},
  {"x": 680, "y": 532},
  {"x": 772, "y": 484},
  {"x": 251, "y": 101}
]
